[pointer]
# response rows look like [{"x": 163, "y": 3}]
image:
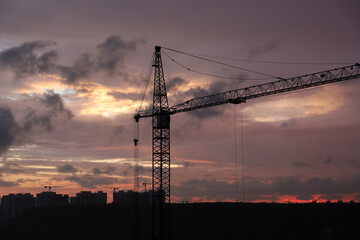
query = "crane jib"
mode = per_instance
[{"x": 280, "y": 86}]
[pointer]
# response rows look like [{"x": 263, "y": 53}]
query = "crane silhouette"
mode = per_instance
[
  {"x": 161, "y": 112},
  {"x": 49, "y": 187}
]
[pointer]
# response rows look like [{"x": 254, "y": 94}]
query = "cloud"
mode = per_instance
[
  {"x": 27, "y": 59},
  {"x": 198, "y": 91},
  {"x": 122, "y": 95},
  {"x": 91, "y": 181},
  {"x": 24, "y": 60},
  {"x": 96, "y": 171},
  {"x": 9, "y": 130},
  {"x": 82, "y": 68},
  {"x": 67, "y": 168},
  {"x": 111, "y": 52},
  {"x": 11, "y": 168},
  {"x": 54, "y": 106},
  {"x": 109, "y": 170},
  {"x": 4, "y": 183},
  {"x": 109, "y": 58},
  {"x": 175, "y": 83},
  {"x": 256, "y": 190},
  {"x": 201, "y": 91},
  {"x": 38, "y": 111}
]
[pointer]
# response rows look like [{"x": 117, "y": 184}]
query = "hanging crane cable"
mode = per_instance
[
  {"x": 136, "y": 151},
  {"x": 136, "y": 126},
  {"x": 212, "y": 75},
  {"x": 235, "y": 154},
  {"x": 145, "y": 86},
  {"x": 242, "y": 151},
  {"x": 272, "y": 62},
  {"x": 221, "y": 63}
]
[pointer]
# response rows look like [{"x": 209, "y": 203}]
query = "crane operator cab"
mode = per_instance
[{"x": 163, "y": 120}]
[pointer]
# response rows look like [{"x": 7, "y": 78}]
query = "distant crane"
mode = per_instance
[
  {"x": 160, "y": 114},
  {"x": 114, "y": 189},
  {"x": 145, "y": 184},
  {"x": 49, "y": 187}
]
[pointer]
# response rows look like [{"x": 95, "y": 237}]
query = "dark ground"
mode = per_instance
[{"x": 191, "y": 221}]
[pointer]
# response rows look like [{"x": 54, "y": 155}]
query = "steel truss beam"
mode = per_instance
[{"x": 280, "y": 86}]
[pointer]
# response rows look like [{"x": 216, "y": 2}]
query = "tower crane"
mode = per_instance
[
  {"x": 114, "y": 189},
  {"x": 145, "y": 184},
  {"x": 161, "y": 112},
  {"x": 49, "y": 187}
]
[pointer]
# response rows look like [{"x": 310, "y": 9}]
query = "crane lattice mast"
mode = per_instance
[
  {"x": 160, "y": 153},
  {"x": 161, "y": 112}
]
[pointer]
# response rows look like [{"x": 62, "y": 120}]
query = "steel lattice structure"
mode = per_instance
[
  {"x": 161, "y": 124},
  {"x": 160, "y": 153},
  {"x": 280, "y": 86}
]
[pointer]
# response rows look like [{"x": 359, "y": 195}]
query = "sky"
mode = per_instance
[{"x": 71, "y": 73}]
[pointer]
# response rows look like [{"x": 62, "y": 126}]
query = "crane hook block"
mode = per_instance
[
  {"x": 137, "y": 117},
  {"x": 136, "y": 141}
]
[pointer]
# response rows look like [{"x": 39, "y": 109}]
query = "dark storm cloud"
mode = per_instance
[
  {"x": 255, "y": 190},
  {"x": 9, "y": 129},
  {"x": 24, "y": 60},
  {"x": 67, "y": 168}
]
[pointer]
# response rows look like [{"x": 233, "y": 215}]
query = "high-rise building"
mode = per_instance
[
  {"x": 128, "y": 197},
  {"x": 13, "y": 204},
  {"x": 87, "y": 197},
  {"x": 51, "y": 198}
]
